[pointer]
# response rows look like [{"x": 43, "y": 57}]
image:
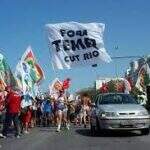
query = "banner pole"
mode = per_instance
[{"x": 55, "y": 72}]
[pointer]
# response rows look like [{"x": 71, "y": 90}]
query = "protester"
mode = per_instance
[
  {"x": 47, "y": 111},
  {"x": 2, "y": 108},
  {"x": 33, "y": 116},
  {"x": 26, "y": 119},
  {"x": 86, "y": 108},
  {"x": 13, "y": 108},
  {"x": 71, "y": 110},
  {"x": 53, "y": 114},
  {"x": 39, "y": 114},
  {"x": 61, "y": 108},
  {"x": 78, "y": 118}
]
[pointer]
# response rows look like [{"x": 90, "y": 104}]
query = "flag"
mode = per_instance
[
  {"x": 2, "y": 100},
  {"x": 6, "y": 75},
  {"x": 55, "y": 88},
  {"x": 127, "y": 86},
  {"x": 143, "y": 77},
  {"x": 24, "y": 79},
  {"x": 74, "y": 44},
  {"x": 36, "y": 71},
  {"x": 2, "y": 85},
  {"x": 25, "y": 83},
  {"x": 66, "y": 83}
]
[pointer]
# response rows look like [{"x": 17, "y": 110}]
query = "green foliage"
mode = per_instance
[
  {"x": 111, "y": 86},
  {"x": 135, "y": 92},
  {"x": 91, "y": 91},
  {"x": 146, "y": 79}
]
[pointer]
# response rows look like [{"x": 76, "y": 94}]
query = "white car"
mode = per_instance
[{"x": 119, "y": 111}]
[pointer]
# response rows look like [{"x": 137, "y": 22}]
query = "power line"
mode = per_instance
[
  {"x": 125, "y": 57},
  {"x": 121, "y": 57}
]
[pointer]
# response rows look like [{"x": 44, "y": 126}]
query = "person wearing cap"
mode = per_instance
[{"x": 13, "y": 108}]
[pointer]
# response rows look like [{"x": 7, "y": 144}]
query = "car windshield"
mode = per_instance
[{"x": 117, "y": 99}]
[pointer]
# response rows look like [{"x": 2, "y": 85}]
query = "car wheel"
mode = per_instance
[
  {"x": 93, "y": 130},
  {"x": 145, "y": 131},
  {"x": 99, "y": 130}
]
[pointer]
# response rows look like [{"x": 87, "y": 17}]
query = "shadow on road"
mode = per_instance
[
  {"x": 87, "y": 132},
  {"x": 46, "y": 129}
]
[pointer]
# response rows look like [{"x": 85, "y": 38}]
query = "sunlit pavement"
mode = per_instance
[{"x": 75, "y": 139}]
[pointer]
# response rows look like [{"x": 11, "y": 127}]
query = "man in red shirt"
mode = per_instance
[{"x": 13, "y": 108}]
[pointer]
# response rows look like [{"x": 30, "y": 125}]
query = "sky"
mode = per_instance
[{"x": 127, "y": 25}]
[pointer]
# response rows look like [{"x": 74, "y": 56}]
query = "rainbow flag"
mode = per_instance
[
  {"x": 6, "y": 75},
  {"x": 36, "y": 71}
]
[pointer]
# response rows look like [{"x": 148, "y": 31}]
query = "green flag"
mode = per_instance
[{"x": 6, "y": 75}]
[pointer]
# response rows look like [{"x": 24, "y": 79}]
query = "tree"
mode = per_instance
[
  {"x": 111, "y": 86},
  {"x": 91, "y": 91},
  {"x": 146, "y": 79}
]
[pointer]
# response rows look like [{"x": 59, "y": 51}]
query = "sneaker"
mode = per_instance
[
  {"x": 68, "y": 126},
  {"x": 2, "y": 136},
  {"x": 85, "y": 126},
  {"x": 18, "y": 136},
  {"x": 58, "y": 130},
  {"x": 26, "y": 132}
]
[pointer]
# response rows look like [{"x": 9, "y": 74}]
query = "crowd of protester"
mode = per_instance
[{"x": 44, "y": 111}]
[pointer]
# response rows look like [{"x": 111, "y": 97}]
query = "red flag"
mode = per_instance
[{"x": 66, "y": 83}]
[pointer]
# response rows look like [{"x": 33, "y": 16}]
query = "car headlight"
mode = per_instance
[
  {"x": 142, "y": 113},
  {"x": 108, "y": 114}
]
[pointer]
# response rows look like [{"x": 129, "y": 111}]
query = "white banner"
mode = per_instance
[{"x": 74, "y": 44}]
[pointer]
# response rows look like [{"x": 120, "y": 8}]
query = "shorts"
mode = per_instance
[
  {"x": 27, "y": 117},
  {"x": 89, "y": 113},
  {"x": 33, "y": 113},
  {"x": 81, "y": 115},
  {"x": 86, "y": 108},
  {"x": 47, "y": 114},
  {"x": 60, "y": 106},
  {"x": 38, "y": 113}
]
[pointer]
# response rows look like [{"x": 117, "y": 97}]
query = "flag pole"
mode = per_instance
[{"x": 55, "y": 72}]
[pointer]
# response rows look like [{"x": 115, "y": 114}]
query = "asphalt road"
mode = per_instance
[{"x": 75, "y": 139}]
